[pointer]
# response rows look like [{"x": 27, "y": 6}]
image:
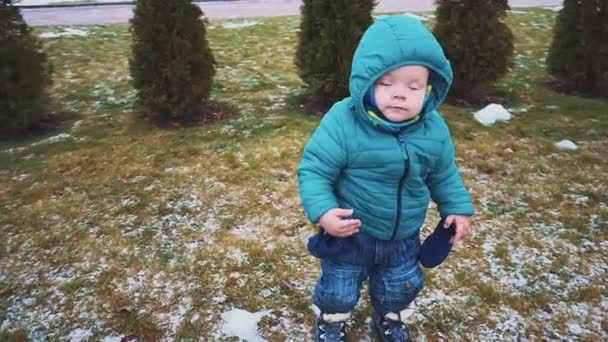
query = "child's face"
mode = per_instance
[{"x": 400, "y": 93}]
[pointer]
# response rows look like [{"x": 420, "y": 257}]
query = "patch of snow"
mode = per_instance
[
  {"x": 77, "y": 124},
  {"x": 79, "y": 335},
  {"x": 53, "y": 139},
  {"x": 195, "y": 318},
  {"x": 243, "y": 324},
  {"x": 575, "y": 329},
  {"x": 28, "y": 301},
  {"x": 581, "y": 200},
  {"x": 192, "y": 246},
  {"x": 178, "y": 170},
  {"x": 66, "y": 32},
  {"x": 246, "y": 232},
  {"x": 188, "y": 201},
  {"x": 128, "y": 201},
  {"x": 113, "y": 339},
  {"x": 566, "y": 145},
  {"x": 61, "y": 275},
  {"x": 210, "y": 224},
  {"x": 233, "y": 25},
  {"x": 492, "y": 113},
  {"x": 238, "y": 255},
  {"x": 554, "y": 8},
  {"x": 415, "y": 16},
  {"x": 150, "y": 187},
  {"x": 137, "y": 179},
  {"x": 219, "y": 299},
  {"x": 519, "y": 110},
  {"x": 22, "y": 177}
]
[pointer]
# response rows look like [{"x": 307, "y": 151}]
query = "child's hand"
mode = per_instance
[
  {"x": 463, "y": 227},
  {"x": 334, "y": 223}
]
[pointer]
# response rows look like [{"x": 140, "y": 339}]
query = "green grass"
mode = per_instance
[{"x": 155, "y": 225}]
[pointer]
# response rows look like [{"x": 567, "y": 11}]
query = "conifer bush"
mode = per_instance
[
  {"x": 329, "y": 34},
  {"x": 578, "y": 56},
  {"x": 478, "y": 44},
  {"x": 172, "y": 65},
  {"x": 25, "y": 76}
]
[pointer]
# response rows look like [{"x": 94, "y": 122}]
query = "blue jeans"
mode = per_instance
[{"x": 395, "y": 278}]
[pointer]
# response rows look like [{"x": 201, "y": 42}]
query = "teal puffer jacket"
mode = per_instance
[{"x": 387, "y": 178}]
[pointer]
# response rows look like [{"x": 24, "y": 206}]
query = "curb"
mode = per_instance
[{"x": 98, "y": 4}]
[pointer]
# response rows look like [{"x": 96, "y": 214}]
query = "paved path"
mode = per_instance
[{"x": 120, "y": 14}]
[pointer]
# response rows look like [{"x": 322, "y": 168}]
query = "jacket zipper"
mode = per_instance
[{"x": 400, "y": 189}]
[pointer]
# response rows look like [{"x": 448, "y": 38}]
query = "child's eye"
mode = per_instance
[
  {"x": 414, "y": 88},
  {"x": 386, "y": 84}
]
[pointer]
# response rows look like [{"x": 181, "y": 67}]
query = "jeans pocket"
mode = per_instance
[
  {"x": 402, "y": 286},
  {"x": 338, "y": 288}
]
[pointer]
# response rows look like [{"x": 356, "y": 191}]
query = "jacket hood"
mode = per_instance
[{"x": 394, "y": 41}]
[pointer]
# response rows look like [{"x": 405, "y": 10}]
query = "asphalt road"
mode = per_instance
[{"x": 120, "y": 14}]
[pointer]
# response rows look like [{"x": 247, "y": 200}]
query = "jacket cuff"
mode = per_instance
[
  {"x": 315, "y": 213},
  {"x": 462, "y": 209}
]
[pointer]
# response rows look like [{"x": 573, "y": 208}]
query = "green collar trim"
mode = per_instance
[{"x": 393, "y": 126}]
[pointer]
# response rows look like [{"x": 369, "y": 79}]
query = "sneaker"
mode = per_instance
[
  {"x": 331, "y": 332},
  {"x": 389, "y": 330}
]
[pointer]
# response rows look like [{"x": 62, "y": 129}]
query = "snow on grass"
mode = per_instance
[
  {"x": 492, "y": 113},
  {"x": 566, "y": 145},
  {"x": 165, "y": 230},
  {"x": 243, "y": 324},
  {"x": 415, "y": 16},
  {"x": 238, "y": 25},
  {"x": 79, "y": 335},
  {"x": 53, "y": 139},
  {"x": 66, "y": 32},
  {"x": 554, "y": 8}
]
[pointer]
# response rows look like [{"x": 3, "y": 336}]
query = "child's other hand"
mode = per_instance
[
  {"x": 335, "y": 224},
  {"x": 463, "y": 227}
]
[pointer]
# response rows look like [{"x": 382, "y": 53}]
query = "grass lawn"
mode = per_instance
[{"x": 111, "y": 228}]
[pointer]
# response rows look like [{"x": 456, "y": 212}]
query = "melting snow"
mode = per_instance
[
  {"x": 492, "y": 113},
  {"x": 554, "y": 8},
  {"x": 575, "y": 329},
  {"x": 56, "y": 138},
  {"x": 233, "y": 25},
  {"x": 566, "y": 145},
  {"x": 79, "y": 335},
  {"x": 419, "y": 17},
  {"x": 113, "y": 339},
  {"x": 66, "y": 32},
  {"x": 178, "y": 170},
  {"x": 243, "y": 324},
  {"x": 238, "y": 255}
]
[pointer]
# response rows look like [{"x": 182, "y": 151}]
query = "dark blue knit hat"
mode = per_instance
[
  {"x": 437, "y": 246},
  {"x": 323, "y": 245}
]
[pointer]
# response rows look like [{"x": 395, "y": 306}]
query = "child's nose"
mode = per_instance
[{"x": 400, "y": 92}]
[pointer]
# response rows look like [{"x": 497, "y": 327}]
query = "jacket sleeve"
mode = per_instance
[
  {"x": 446, "y": 186},
  {"x": 323, "y": 159}
]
